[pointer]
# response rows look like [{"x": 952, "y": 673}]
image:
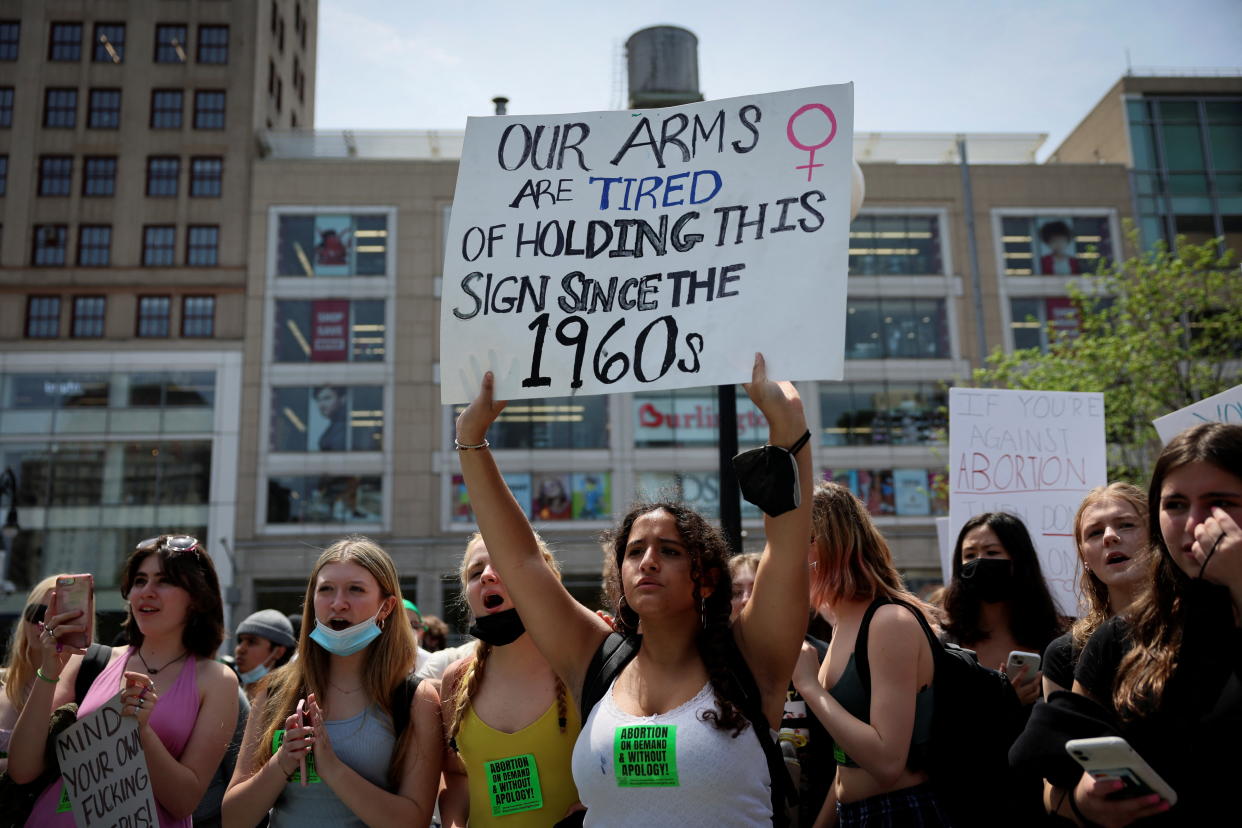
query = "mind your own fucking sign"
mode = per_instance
[{"x": 603, "y": 252}]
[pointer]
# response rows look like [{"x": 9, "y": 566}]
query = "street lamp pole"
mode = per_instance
[{"x": 8, "y": 485}]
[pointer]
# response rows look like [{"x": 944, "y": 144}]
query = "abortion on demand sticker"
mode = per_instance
[
  {"x": 645, "y": 756},
  {"x": 604, "y": 252},
  {"x": 513, "y": 784}
]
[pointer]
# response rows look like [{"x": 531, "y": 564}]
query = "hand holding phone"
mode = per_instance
[
  {"x": 1022, "y": 665},
  {"x": 76, "y": 593},
  {"x": 302, "y": 723},
  {"x": 1110, "y": 758}
]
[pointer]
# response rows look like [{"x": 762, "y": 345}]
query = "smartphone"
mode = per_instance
[
  {"x": 1110, "y": 757},
  {"x": 1023, "y": 664},
  {"x": 77, "y": 592},
  {"x": 302, "y": 723}
]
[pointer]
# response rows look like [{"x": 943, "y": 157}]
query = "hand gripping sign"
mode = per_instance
[{"x": 602, "y": 252}]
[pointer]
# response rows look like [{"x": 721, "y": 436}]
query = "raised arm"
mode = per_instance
[
  {"x": 566, "y": 632},
  {"x": 771, "y": 626}
]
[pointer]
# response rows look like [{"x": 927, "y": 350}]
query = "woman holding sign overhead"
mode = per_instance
[
  {"x": 184, "y": 701},
  {"x": 678, "y": 719},
  {"x": 342, "y": 735}
]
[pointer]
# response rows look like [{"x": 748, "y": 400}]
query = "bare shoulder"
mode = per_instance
[
  {"x": 896, "y": 625},
  {"x": 215, "y": 677},
  {"x": 425, "y": 694}
]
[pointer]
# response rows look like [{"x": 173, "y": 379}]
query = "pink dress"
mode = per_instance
[{"x": 172, "y": 719}]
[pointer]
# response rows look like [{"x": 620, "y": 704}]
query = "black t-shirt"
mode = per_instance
[
  {"x": 1060, "y": 660},
  {"x": 1193, "y": 739}
]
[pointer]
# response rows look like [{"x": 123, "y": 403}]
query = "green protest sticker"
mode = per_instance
[
  {"x": 514, "y": 784},
  {"x": 278, "y": 739},
  {"x": 645, "y": 756},
  {"x": 64, "y": 806}
]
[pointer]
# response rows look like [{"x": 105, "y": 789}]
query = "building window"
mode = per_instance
[
  {"x": 896, "y": 329},
  {"x": 43, "y": 317},
  {"x": 328, "y": 418},
  {"x": 1054, "y": 245},
  {"x": 99, "y": 175},
  {"x": 202, "y": 245},
  {"x": 209, "y": 109},
  {"x": 104, "y": 109},
  {"x": 206, "y": 177},
  {"x": 10, "y": 35},
  {"x": 6, "y": 106},
  {"x": 275, "y": 16},
  {"x": 109, "y": 43},
  {"x": 280, "y": 36},
  {"x": 332, "y": 245},
  {"x": 271, "y": 77},
  {"x": 330, "y": 330},
  {"x": 882, "y": 413},
  {"x": 170, "y": 43},
  {"x": 51, "y": 245},
  {"x": 154, "y": 316},
  {"x": 324, "y": 499},
  {"x": 4, "y": 174},
  {"x": 213, "y": 44},
  {"x": 1039, "y": 322},
  {"x": 558, "y": 496},
  {"x": 55, "y": 175},
  {"x": 159, "y": 245},
  {"x": 65, "y": 42},
  {"x": 166, "y": 108},
  {"x": 902, "y": 492},
  {"x": 198, "y": 316},
  {"x": 60, "y": 108},
  {"x": 280, "y": 92},
  {"x": 95, "y": 245},
  {"x": 163, "y": 172},
  {"x": 554, "y": 423},
  {"x": 895, "y": 245},
  {"x": 88, "y": 317}
]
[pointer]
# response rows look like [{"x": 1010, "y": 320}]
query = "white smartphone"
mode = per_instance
[
  {"x": 1023, "y": 664},
  {"x": 1110, "y": 757}
]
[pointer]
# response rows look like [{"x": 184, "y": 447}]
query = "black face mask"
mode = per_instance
[
  {"x": 988, "y": 579},
  {"x": 768, "y": 477},
  {"x": 498, "y": 629}
]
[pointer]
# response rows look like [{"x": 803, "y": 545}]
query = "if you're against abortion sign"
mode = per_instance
[{"x": 602, "y": 252}]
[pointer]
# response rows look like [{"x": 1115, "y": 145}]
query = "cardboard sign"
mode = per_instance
[
  {"x": 105, "y": 770},
  {"x": 1033, "y": 454},
  {"x": 1225, "y": 407},
  {"x": 603, "y": 252}
]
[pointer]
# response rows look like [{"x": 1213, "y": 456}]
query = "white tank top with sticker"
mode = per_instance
[{"x": 669, "y": 769}]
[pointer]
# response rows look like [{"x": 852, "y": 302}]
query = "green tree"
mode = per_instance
[{"x": 1159, "y": 331}]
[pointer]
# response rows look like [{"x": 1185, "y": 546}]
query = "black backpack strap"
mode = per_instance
[
  {"x": 93, "y": 663},
  {"x": 861, "y": 662},
  {"x": 783, "y": 792},
  {"x": 609, "y": 660},
  {"x": 401, "y": 701}
]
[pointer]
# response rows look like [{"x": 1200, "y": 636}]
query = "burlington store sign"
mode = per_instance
[{"x": 661, "y": 419}]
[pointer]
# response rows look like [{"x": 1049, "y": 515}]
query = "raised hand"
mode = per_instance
[
  {"x": 55, "y": 654},
  {"x": 780, "y": 403},
  {"x": 473, "y": 422},
  {"x": 139, "y": 697}
]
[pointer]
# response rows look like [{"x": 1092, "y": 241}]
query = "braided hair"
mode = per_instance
[{"x": 709, "y": 553}]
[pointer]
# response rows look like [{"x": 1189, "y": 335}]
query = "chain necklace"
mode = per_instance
[
  {"x": 342, "y": 689},
  {"x": 153, "y": 670}
]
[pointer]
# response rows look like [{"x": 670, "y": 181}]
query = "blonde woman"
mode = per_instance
[
  {"x": 339, "y": 736},
  {"x": 505, "y": 711},
  {"x": 20, "y": 663}
]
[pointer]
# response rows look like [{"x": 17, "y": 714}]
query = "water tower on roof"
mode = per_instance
[{"x": 663, "y": 67}]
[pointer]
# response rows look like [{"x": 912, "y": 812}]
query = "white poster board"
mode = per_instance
[
  {"x": 1034, "y": 454},
  {"x": 1225, "y": 407},
  {"x": 105, "y": 770},
  {"x": 604, "y": 252}
]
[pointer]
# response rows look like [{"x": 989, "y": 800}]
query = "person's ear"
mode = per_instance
[
  {"x": 386, "y": 608},
  {"x": 278, "y": 652},
  {"x": 711, "y": 578}
]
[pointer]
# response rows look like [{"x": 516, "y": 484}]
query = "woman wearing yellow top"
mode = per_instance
[{"x": 510, "y": 722}]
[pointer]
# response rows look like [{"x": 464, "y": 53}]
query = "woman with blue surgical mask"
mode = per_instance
[
  {"x": 264, "y": 642},
  {"x": 342, "y": 735}
]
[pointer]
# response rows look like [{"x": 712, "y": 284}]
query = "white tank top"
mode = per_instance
[{"x": 669, "y": 769}]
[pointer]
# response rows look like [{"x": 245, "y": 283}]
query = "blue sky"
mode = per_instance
[{"x": 918, "y": 65}]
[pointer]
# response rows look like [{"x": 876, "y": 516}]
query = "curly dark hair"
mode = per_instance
[
  {"x": 1033, "y": 617},
  {"x": 709, "y": 555},
  {"x": 1052, "y": 229}
]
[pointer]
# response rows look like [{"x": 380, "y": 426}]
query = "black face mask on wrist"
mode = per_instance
[
  {"x": 988, "y": 579},
  {"x": 768, "y": 477},
  {"x": 498, "y": 629}
]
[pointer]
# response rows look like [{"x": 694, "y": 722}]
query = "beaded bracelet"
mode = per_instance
[{"x": 463, "y": 447}]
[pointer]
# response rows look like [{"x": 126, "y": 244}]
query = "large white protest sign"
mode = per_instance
[
  {"x": 1034, "y": 454},
  {"x": 602, "y": 252},
  {"x": 1225, "y": 407},
  {"x": 105, "y": 770}
]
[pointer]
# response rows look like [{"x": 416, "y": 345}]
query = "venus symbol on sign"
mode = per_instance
[{"x": 810, "y": 165}]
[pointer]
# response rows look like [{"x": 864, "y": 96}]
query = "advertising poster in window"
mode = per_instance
[
  {"x": 325, "y": 499},
  {"x": 617, "y": 251},
  {"x": 1034, "y": 454},
  {"x": 1057, "y": 250},
  {"x": 910, "y": 492},
  {"x": 592, "y": 496},
  {"x": 334, "y": 246},
  {"x": 552, "y": 497},
  {"x": 459, "y": 498},
  {"x": 699, "y": 490},
  {"x": 329, "y": 330}
]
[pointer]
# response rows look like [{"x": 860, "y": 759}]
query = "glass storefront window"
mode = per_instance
[
  {"x": 874, "y": 413},
  {"x": 1030, "y": 321},
  {"x": 328, "y": 418},
  {"x": 896, "y": 329},
  {"x": 688, "y": 417},
  {"x": 329, "y": 330},
  {"x": 551, "y": 423},
  {"x": 901, "y": 492},
  {"x": 895, "y": 245},
  {"x": 546, "y": 496},
  {"x": 338, "y": 499},
  {"x": 698, "y": 490},
  {"x": 332, "y": 245},
  {"x": 1054, "y": 245}
]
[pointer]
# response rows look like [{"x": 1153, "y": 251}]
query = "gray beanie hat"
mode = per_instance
[{"x": 269, "y": 624}]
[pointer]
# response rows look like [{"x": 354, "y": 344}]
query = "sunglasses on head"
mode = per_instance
[
  {"x": 172, "y": 543},
  {"x": 35, "y": 613}
]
